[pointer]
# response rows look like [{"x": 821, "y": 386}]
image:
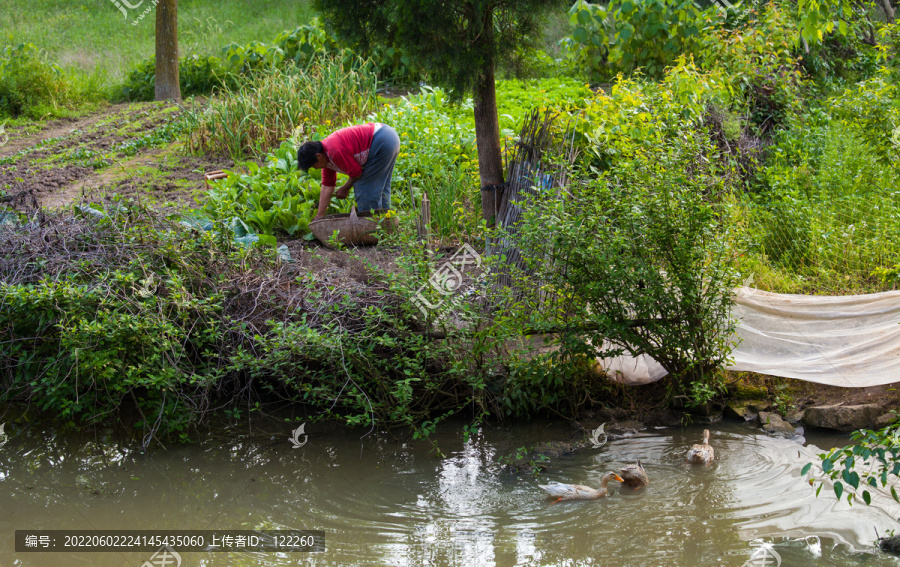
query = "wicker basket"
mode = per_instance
[{"x": 354, "y": 229}]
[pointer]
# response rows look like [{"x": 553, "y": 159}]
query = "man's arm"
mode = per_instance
[
  {"x": 344, "y": 190},
  {"x": 324, "y": 200}
]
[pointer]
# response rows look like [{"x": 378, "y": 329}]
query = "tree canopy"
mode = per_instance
[{"x": 449, "y": 38}]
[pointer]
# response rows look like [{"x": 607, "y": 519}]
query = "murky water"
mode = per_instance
[{"x": 381, "y": 501}]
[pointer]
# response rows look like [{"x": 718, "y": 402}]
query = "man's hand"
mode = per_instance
[{"x": 343, "y": 192}]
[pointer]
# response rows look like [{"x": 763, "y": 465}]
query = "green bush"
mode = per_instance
[
  {"x": 871, "y": 109},
  {"x": 760, "y": 64},
  {"x": 825, "y": 213},
  {"x": 30, "y": 85},
  {"x": 197, "y": 76},
  {"x": 305, "y": 43},
  {"x": 627, "y": 35},
  {"x": 633, "y": 261},
  {"x": 130, "y": 316},
  {"x": 635, "y": 117},
  {"x": 254, "y": 56}
]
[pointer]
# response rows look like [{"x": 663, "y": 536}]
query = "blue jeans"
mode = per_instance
[{"x": 373, "y": 189}]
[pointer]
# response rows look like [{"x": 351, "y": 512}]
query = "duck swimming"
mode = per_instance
[
  {"x": 703, "y": 453},
  {"x": 634, "y": 476},
  {"x": 579, "y": 492}
]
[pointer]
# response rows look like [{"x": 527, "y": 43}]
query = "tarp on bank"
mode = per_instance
[{"x": 851, "y": 341}]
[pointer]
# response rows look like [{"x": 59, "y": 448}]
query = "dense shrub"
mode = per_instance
[
  {"x": 761, "y": 66},
  {"x": 625, "y": 35},
  {"x": 634, "y": 261},
  {"x": 636, "y": 116},
  {"x": 30, "y": 85},
  {"x": 871, "y": 109},
  {"x": 197, "y": 76},
  {"x": 129, "y": 316},
  {"x": 824, "y": 214},
  {"x": 305, "y": 43},
  {"x": 125, "y": 313}
]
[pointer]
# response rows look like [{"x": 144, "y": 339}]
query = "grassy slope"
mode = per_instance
[{"x": 93, "y": 34}]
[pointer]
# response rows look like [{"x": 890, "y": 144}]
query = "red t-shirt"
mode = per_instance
[{"x": 347, "y": 150}]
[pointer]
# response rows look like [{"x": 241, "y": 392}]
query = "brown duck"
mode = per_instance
[
  {"x": 703, "y": 453},
  {"x": 634, "y": 476}
]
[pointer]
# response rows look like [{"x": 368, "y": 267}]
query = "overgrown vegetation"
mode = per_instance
[
  {"x": 34, "y": 87},
  {"x": 125, "y": 314},
  {"x": 121, "y": 311},
  {"x": 294, "y": 49},
  {"x": 634, "y": 261},
  {"x": 713, "y": 145}
]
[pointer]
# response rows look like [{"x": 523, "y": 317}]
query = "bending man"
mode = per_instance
[{"x": 365, "y": 153}]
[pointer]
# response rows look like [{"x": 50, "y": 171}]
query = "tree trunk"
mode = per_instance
[
  {"x": 487, "y": 129},
  {"x": 168, "y": 86},
  {"x": 888, "y": 10}
]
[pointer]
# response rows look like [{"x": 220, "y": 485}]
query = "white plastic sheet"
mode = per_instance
[{"x": 851, "y": 341}]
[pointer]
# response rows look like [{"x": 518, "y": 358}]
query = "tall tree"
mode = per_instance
[
  {"x": 168, "y": 86},
  {"x": 460, "y": 42}
]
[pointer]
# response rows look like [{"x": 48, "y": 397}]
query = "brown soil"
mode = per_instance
[
  {"x": 352, "y": 267},
  {"x": 800, "y": 394},
  {"x": 53, "y": 129},
  {"x": 40, "y": 163},
  {"x": 807, "y": 394}
]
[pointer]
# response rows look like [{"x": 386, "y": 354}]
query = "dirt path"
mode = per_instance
[
  {"x": 122, "y": 149},
  {"x": 55, "y": 129}
]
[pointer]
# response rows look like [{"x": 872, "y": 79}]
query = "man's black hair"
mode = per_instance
[{"x": 306, "y": 154}]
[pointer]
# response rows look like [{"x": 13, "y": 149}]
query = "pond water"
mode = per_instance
[{"x": 383, "y": 501}]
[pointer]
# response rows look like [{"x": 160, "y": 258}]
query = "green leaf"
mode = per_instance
[
  {"x": 838, "y": 489},
  {"x": 867, "y": 498},
  {"x": 851, "y": 478},
  {"x": 827, "y": 465},
  {"x": 805, "y": 470},
  {"x": 581, "y": 35}
]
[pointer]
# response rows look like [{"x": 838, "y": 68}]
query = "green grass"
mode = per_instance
[{"x": 93, "y": 36}]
